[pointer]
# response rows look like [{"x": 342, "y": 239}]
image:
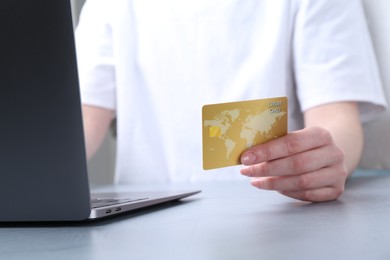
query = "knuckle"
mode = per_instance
[
  {"x": 339, "y": 191},
  {"x": 264, "y": 169},
  {"x": 341, "y": 173},
  {"x": 292, "y": 144},
  {"x": 339, "y": 155},
  {"x": 265, "y": 153},
  {"x": 298, "y": 162},
  {"x": 270, "y": 183},
  {"x": 306, "y": 195},
  {"x": 250, "y": 171},
  {"x": 304, "y": 182},
  {"x": 344, "y": 173},
  {"x": 325, "y": 135}
]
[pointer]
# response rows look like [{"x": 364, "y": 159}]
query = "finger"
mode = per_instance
[
  {"x": 296, "y": 164},
  {"x": 295, "y": 142},
  {"x": 317, "y": 195},
  {"x": 308, "y": 181}
]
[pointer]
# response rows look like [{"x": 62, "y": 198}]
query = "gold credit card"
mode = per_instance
[{"x": 231, "y": 128}]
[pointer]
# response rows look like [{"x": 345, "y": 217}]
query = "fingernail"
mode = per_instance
[{"x": 248, "y": 158}]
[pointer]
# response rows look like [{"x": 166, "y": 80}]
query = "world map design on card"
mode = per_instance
[{"x": 231, "y": 128}]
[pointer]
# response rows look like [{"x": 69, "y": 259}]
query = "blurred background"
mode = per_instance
[
  {"x": 101, "y": 167},
  {"x": 377, "y": 151}
]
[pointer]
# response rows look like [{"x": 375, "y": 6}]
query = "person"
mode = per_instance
[{"x": 152, "y": 64}]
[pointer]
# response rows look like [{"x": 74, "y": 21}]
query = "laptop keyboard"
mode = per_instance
[{"x": 103, "y": 202}]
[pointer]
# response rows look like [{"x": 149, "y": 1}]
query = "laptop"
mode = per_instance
[{"x": 43, "y": 170}]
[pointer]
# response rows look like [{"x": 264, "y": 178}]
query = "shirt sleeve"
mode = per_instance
[
  {"x": 334, "y": 58},
  {"x": 95, "y": 55}
]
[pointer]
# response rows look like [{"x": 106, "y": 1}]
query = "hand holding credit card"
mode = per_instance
[{"x": 231, "y": 128}]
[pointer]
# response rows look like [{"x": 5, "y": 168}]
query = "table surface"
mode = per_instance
[{"x": 228, "y": 220}]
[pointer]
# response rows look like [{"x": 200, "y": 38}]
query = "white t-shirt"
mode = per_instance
[{"x": 156, "y": 63}]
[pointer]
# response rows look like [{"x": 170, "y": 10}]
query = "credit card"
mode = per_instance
[{"x": 231, "y": 128}]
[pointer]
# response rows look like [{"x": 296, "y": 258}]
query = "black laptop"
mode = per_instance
[{"x": 43, "y": 172}]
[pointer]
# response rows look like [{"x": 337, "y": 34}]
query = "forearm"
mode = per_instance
[
  {"x": 96, "y": 122},
  {"x": 343, "y": 122}
]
